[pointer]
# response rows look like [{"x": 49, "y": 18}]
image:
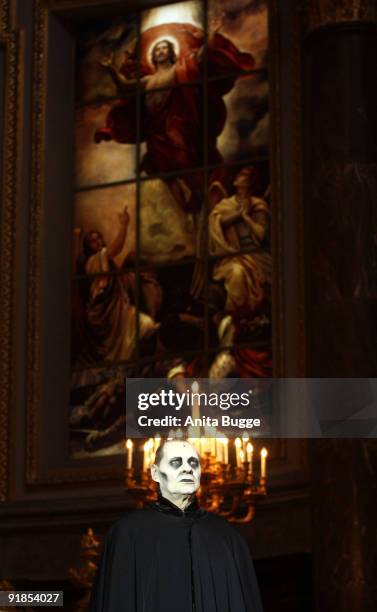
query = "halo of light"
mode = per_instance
[
  {"x": 171, "y": 39},
  {"x": 181, "y": 12}
]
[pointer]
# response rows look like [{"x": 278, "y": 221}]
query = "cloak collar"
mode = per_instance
[{"x": 167, "y": 507}]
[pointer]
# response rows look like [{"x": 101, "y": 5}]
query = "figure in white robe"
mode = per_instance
[{"x": 109, "y": 326}]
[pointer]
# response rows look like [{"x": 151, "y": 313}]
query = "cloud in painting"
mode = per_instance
[
  {"x": 245, "y": 23},
  {"x": 246, "y": 129}
]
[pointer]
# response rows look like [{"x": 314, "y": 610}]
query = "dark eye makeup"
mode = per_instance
[
  {"x": 193, "y": 462},
  {"x": 176, "y": 462}
]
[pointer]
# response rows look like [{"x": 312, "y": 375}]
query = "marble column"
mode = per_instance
[
  {"x": 344, "y": 525},
  {"x": 340, "y": 210},
  {"x": 340, "y": 186}
]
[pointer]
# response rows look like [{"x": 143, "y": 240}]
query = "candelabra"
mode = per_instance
[{"x": 230, "y": 486}]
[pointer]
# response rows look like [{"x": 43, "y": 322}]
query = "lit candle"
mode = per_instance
[
  {"x": 213, "y": 441},
  {"x": 219, "y": 448},
  {"x": 263, "y": 462},
  {"x": 129, "y": 446},
  {"x": 151, "y": 451},
  {"x": 195, "y": 412},
  {"x": 207, "y": 433},
  {"x": 249, "y": 453},
  {"x": 242, "y": 456},
  {"x": 209, "y": 437},
  {"x": 146, "y": 456},
  {"x": 245, "y": 439},
  {"x": 195, "y": 409},
  {"x": 238, "y": 444},
  {"x": 157, "y": 442}
]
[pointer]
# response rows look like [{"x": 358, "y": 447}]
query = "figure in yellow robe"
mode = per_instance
[{"x": 238, "y": 226}]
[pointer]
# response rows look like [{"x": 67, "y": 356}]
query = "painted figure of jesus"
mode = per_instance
[{"x": 171, "y": 121}]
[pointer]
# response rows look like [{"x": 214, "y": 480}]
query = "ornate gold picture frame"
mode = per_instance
[{"x": 48, "y": 461}]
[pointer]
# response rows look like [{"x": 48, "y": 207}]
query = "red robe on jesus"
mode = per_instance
[{"x": 172, "y": 122}]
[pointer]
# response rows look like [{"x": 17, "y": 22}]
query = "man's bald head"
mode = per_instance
[
  {"x": 160, "y": 450},
  {"x": 177, "y": 468}
]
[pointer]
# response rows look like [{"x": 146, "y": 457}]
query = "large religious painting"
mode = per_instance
[{"x": 171, "y": 262}]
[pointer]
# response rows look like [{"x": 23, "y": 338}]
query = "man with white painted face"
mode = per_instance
[{"x": 174, "y": 556}]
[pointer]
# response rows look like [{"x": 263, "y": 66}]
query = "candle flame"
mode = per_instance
[
  {"x": 129, "y": 444},
  {"x": 264, "y": 452},
  {"x": 148, "y": 444},
  {"x": 237, "y": 442},
  {"x": 249, "y": 447},
  {"x": 195, "y": 386}
]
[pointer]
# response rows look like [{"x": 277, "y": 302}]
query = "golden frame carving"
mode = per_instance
[
  {"x": 319, "y": 13},
  {"x": 35, "y": 475},
  {"x": 9, "y": 42},
  {"x": 4, "y": 15},
  {"x": 33, "y": 397}
]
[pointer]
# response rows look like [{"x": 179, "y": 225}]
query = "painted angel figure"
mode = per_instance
[
  {"x": 238, "y": 224},
  {"x": 238, "y": 228}
]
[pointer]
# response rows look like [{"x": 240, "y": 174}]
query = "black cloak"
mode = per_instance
[{"x": 164, "y": 559}]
